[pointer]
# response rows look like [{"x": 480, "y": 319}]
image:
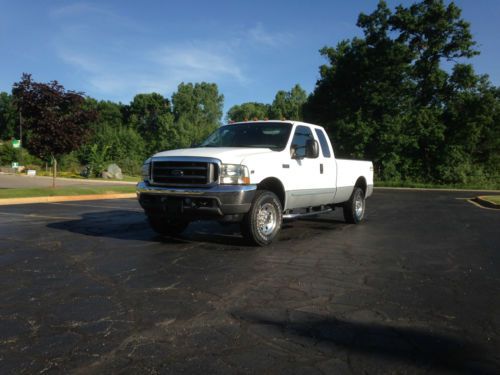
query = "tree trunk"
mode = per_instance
[{"x": 54, "y": 171}]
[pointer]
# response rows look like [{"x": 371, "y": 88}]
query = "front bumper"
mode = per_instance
[{"x": 196, "y": 202}]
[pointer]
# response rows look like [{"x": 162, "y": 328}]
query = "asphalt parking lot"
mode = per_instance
[{"x": 87, "y": 287}]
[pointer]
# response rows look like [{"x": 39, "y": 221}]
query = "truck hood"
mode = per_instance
[{"x": 229, "y": 155}]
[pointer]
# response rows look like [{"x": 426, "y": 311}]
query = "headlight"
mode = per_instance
[
  {"x": 233, "y": 174},
  {"x": 145, "y": 170}
]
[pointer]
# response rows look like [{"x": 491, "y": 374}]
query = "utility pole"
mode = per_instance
[
  {"x": 20, "y": 138},
  {"x": 21, "y": 128}
]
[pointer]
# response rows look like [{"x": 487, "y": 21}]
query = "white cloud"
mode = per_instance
[
  {"x": 114, "y": 64},
  {"x": 160, "y": 70},
  {"x": 105, "y": 77},
  {"x": 259, "y": 35},
  {"x": 91, "y": 14},
  {"x": 79, "y": 61},
  {"x": 76, "y": 9},
  {"x": 191, "y": 63}
]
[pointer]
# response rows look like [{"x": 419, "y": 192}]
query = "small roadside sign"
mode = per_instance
[
  {"x": 15, "y": 164},
  {"x": 16, "y": 143}
]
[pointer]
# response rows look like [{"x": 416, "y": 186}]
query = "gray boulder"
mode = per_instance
[{"x": 114, "y": 171}]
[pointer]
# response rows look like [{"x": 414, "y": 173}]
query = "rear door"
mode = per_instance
[{"x": 328, "y": 167}]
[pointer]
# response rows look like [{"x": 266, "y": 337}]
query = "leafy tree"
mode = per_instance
[
  {"x": 96, "y": 157},
  {"x": 432, "y": 31},
  {"x": 55, "y": 120},
  {"x": 248, "y": 111},
  {"x": 129, "y": 150},
  {"x": 288, "y": 105},
  {"x": 109, "y": 114},
  {"x": 386, "y": 97},
  {"x": 151, "y": 116},
  {"x": 471, "y": 152},
  {"x": 111, "y": 140},
  {"x": 122, "y": 145},
  {"x": 8, "y": 117},
  {"x": 364, "y": 95},
  {"x": 197, "y": 110},
  {"x": 8, "y": 154}
]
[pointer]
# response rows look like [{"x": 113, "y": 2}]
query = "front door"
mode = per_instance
[{"x": 304, "y": 177}]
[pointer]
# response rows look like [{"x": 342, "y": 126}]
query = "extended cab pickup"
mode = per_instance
[{"x": 256, "y": 173}]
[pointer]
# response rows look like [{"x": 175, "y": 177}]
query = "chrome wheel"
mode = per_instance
[
  {"x": 266, "y": 219},
  {"x": 359, "y": 206},
  {"x": 263, "y": 222},
  {"x": 354, "y": 208}
]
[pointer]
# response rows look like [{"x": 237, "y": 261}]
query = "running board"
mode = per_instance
[{"x": 311, "y": 213}]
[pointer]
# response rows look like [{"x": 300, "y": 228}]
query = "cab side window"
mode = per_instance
[
  {"x": 301, "y": 136},
  {"x": 323, "y": 143}
]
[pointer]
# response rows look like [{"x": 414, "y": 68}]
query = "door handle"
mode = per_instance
[{"x": 321, "y": 168}]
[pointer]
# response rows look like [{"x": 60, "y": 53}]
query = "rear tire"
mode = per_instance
[
  {"x": 262, "y": 223},
  {"x": 354, "y": 208},
  {"x": 165, "y": 226}
]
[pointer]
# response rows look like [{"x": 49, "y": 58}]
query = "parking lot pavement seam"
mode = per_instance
[
  {"x": 36, "y": 216},
  {"x": 95, "y": 206}
]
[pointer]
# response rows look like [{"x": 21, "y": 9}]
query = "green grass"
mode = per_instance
[
  {"x": 131, "y": 178},
  {"x": 492, "y": 198},
  {"x": 66, "y": 190}
]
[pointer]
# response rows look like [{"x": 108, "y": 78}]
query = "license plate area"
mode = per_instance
[{"x": 172, "y": 205}]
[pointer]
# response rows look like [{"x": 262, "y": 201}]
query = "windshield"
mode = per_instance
[{"x": 273, "y": 135}]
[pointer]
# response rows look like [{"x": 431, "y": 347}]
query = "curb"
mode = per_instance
[
  {"x": 434, "y": 189},
  {"x": 64, "y": 198},
  {"x": 486, "y": 203}
]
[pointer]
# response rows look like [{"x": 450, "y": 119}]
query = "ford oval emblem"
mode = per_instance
[{"x": 177, "y": 173}]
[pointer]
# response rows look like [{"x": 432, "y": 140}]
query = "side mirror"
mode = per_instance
[{"x": 312, "y": 149}]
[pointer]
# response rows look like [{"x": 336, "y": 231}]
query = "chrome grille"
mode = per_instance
[{"x": 183, "y": 172}]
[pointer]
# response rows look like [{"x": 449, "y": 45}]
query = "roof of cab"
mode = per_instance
[{"x": 274, "y": 121}]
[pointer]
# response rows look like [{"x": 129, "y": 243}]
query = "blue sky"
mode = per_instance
[{"x": 113, "y": 50}]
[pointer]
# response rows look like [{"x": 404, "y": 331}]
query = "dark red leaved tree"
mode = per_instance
[{"x": 56, "y": 121}]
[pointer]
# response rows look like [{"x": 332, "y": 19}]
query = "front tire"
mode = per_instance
[
  {"x": 262, "y": 223},
  {"x": 354, "y": 208},
  {"x": 165, "y": 226}
]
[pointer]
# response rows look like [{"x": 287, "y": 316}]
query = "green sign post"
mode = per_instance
[{"x": 16, "y": 143}]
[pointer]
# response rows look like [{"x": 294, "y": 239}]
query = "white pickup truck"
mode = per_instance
[{"x": 256, "y": 173}]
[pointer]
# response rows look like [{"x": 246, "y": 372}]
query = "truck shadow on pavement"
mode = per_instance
[
  {"x": 321, "y": 222},
  {"x": 132, "y": 225},
  {"x": 423, "y": 349}
]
